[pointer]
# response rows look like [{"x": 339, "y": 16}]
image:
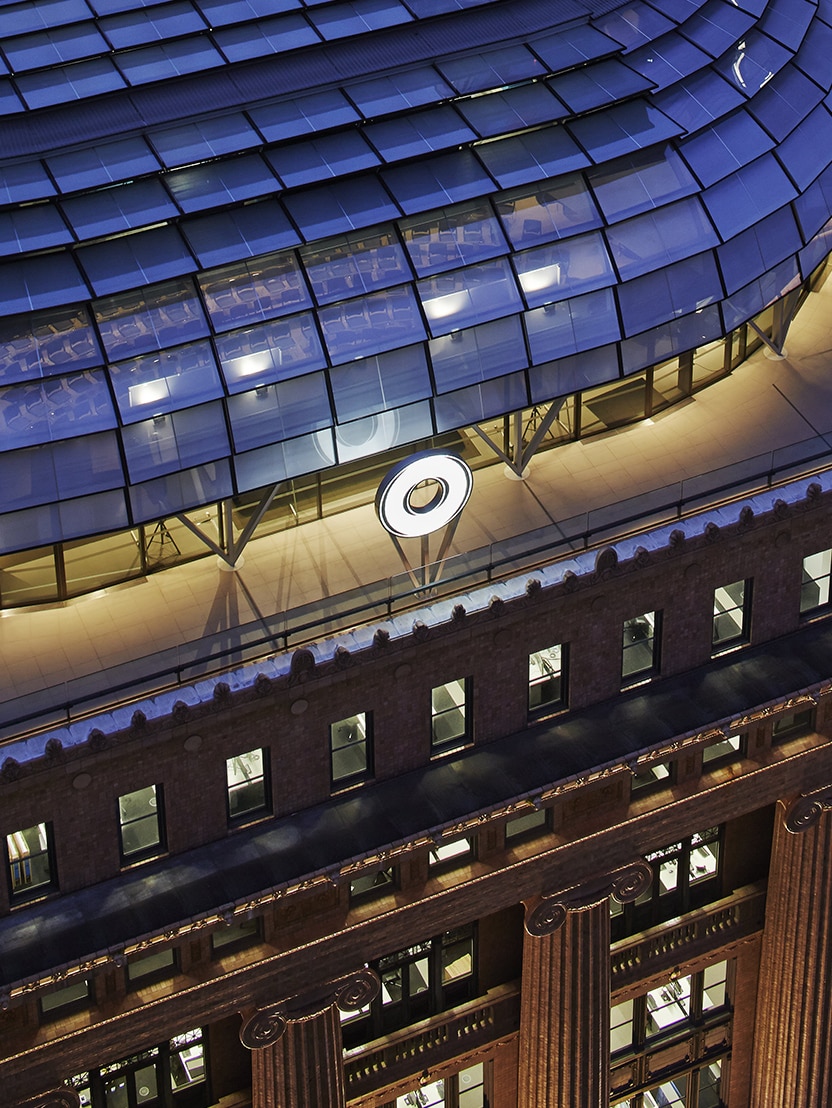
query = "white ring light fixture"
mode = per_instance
[{"x": 393, "y": 498}]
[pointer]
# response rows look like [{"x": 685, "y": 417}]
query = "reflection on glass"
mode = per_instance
[{"x": 246, "y": 783}]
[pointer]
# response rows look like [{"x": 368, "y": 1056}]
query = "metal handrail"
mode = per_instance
[{"x": 122, "y": 685}]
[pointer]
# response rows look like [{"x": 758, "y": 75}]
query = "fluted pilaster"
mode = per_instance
[
  {"x": 565, "y": 1013},
  {"x": 792, "y": 1044},
  {"x": 303, "y": 1069}
]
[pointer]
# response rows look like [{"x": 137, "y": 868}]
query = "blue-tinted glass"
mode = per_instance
[
  {"x": 633, "y": 25},
  {"x": 10, "y": 102},
  {"x": 209, "y": 138},
  {"x": 349, "y": 205},
  {"x": 552, "y": 210},
  {"x": 271, "y": 464},
  {"x": 138, "y": 259},
  {"x": 436, "y": 181},
  {"x": 150, "y": 24},
  {"x": 479, "y": 402},
  {"x": 725, "y": 146},
  {"x": 40, "y": 282},
  {"x": 249, "y": 292},
  {"x": 270, "y": 352},
  {"x": 782, "y": 104},
  {"x": 570, "y": 326},
  {"x": 760, "y": 293},
  {"x": 492, "y": 69},
  {"x": 211, "y": 185},
  {"x": 399, "y": 91},
  {"x": 355, "y": 263},
  {"x": 786, "y": 21},
  {"x": 717, "y": 27},
  {"x": 641, "y": 181},
  {"x": 271, "y": 36},
  {"x": 103, "y": 164},
  {"x": 32, "y": 227},
  {"x": 566, "y": 268},
  {"x": 376, "y": 433},
  {"x": 622, "y": 129},
  {"x": 808, "y": 149},
  {"x": 578, "y": 371},
  {"x": 594, "y": 85},
  {"x": 652, "y": 347},
  {"x": 168, "y": 59},
  {"x": 669, "y": 293},
  {"x": 40, "y": 474},
  {"x": 180, "y": 491},
  {"x": 92, "y": 515},
  {"x": 477, "y": 353},
  {"x": 24, "y": 181},
  {"x": 19, "y": 18},
  {"x": 677, "y": 10},
  {"x": 752, "y": 62},
  {"x": 316, "y": 112},
  {"x": 661, "y": 236},
  {"x": 510, "y": 109},
  {"x": 271, "y": 413},
  {"x": 814, "y": 205},
  {"x": 452, "y": 236},
  {"x": 149, "y": 319},
  {"x": 63, "y": 84},
  {"x": 815, "y": 51},
  {"x": 817, "y": 251},
  {"x": 46, "y": 344},
  {"x": 167, "y": 443},
  {"x": 759, "y": 248},
  {"x": 698, "y": 100},
  {"x": 746, "y": 196},
  {"x": 572, "y": 47},
  {"x": 369, "y": 385},
  {"x": 239, "y": 232},
  {"x": 371, "y": 324},
  {"x": 221, "y": 12},
  {"x": 155, "y": 383},
  {"x": 304, "y": 163},
  {"x": 471, "y": 295},
  {"x": 532, "y": 156},
  {"x": 338, "y": 20},
  {"x": 419, "y": 133},
  {"x": 665, "y": 61},
  {"x": 119, "y": 208},
  {"x": 55, "y": 408},
  {"x": 54, "y": 46}
]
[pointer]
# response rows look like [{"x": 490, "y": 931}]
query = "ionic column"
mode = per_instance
[
  {"x": 297, "y": 1057},
  {"x": 792, "y": 1044},
  {"x": 565, "y": 999}
]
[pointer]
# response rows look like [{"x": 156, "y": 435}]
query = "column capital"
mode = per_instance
[
  {"x": 64, "y": 1097},
  {"x": 265, "y": 1026},
  {"x": 546, "y": 913},
  {"x": 805, "y": 812}
]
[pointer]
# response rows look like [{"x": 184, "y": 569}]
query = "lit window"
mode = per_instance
[
  {"x": 723, "y": 750},
  {"x": 350, "y": 746},
  {"x": 547, "y": 678},
  {"x": 140, "y": 823},
  {"x": 247, "y": 782},
  {"x": 151, "y": 967},
  {"x": 465, "y": 1089},
  {"x": 526, "y": 826},
  {"x": 187, "y": 1060},
  {"x": 63, "y": 1001},
  {"x": 621, "y": 1026},
  {"x": 640, "y": 646},
  {"x": 652, "y": 775},
  {"x": 814, "y": 590},
  {"x": 448, "y": 855},
  {"x": 370, "y": 885},
  {"x": 31, "y": 867},
  {"x": 732, "y": 607},
  {"x": 449, "y": 715}
]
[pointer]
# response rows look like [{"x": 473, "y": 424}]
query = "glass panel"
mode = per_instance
[
  {"x": 239, "y": 233},
  {"x": 271, "y": 413},
  {"x": 95, "y": 563},
  {"x": 729, "y": 613},
  {"x": 355, "y": 263},
  {"x": 138, "y": 815},
  {"x": 621, "y": 1026},
  {"x": 119, "y": 208},
  {"x": 548, "y": 211},
  {"x": 254, "y": 290},
  {"x": 668, "y": 1005},
  {"x": 29, "y": 577},
  {"x": 567, "y": 268},
  {"x": 418, "y": 133},
  {"x": 714, "y": 982},
  {"x": 448, "y": 714},
  {"x": 646, "y": 242},
  {"x": 67, "y": 997},
  {"x": 60, "y": 407},
  {"x": 370, "y": 324},
  {"x": 435, "y": 181},
  {"x": 639, "y": 645},
  {"x": 453, "y": 236},
  {"x": 212, "y": 185},
  {"x": 510, "y": 109},
  {"x": 149, "y": 319},
  {"x": 398, "y": 91},
  {"x": 491, "y": 69},
  {"x": 160, "y": 964},
  {"x": 187, "y": 1058},
  {"x": 546, "y": 677},
  {"x": 469, "y": 295},
  {"x": 519, "y": 827},
  {"x": 137, "y": 259},
  {"x": 349, "y": 747},
  {"x": 530, "y": 156},
  {"x": 356, "y": 202},
  {"x": 814, "y": 589},
  {"x": 157, "y": 383},
  {"x": 728, "y": 748},
  {"x": 477, "y": 353},
  {"x": 569, "y": 326},
  {"x": 271, "y": 352},
  {"x": 47, "y": 343},
  {"x": 104, "y": 163},
  {"x": 315, "y": 112},
  {"x": 28, "y": 856},
  {"x": 244, "y": 933},
  {"x": 246, "y": 783},
  {"x": 304, "y": 163},
  {"x": 369, "y": 385},
  {"x": 457, "y": 850},
  {"x": 704, "y": 851},
  {"x": 371, "y": 884},
  {"x": 725, "y": 146}
]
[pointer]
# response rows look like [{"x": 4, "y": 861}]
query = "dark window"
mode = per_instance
[
  {"x": 732, "y": 611},
  {"x": 727, "y": 749},
  {"x": 686, "y": 875},
  {"x": 814, "y": 589},
  {"x": 151, "y": 967},
  {"x": 789, "y": 724},
  {"x": 31, "y": 864},
  {"x": 351, "y": 749},
  {"x": 450, "y": 715},
  {"x": 527, "y": 826},
  {"x": 247, "y": 783},
  {"x": 62, "y": 1002},
  {"x": 140, "y": 823},
  {"x": 640, "y": 646},
  {"x": 547, "y": 679},
  {"x": 651, "y": 776},
  {"x": 417, "y": 982},
  {"x": 236, "y": 936},
  {"x": 370, "y": 885}
]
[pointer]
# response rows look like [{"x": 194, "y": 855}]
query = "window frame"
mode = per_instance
[
  {"x": 462, "y": 739},
  {"x": 722, "y": 644},
  {"x": 634, "y": 642},
  {"x": 365, "y": 740},
  {"x": 561, "y": 676},
  {"x": 822, "y": 582},
  {"x": 151, "y": 976},
  {"x": 21, "y": 892},
  {"x": 141, "y": 854},
  {"x": 67, "y": 1007},
  {"x": 251, "y": 814}
]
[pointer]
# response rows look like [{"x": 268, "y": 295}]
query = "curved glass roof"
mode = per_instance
[{"x": 210, "y": 287}]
